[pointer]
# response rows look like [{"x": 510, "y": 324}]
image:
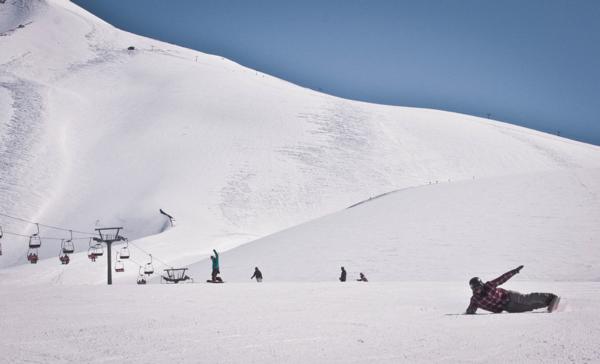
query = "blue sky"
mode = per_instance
[{"x": 534, "y": 63}]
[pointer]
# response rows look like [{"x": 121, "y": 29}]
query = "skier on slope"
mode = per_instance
[
  {"x": 257, "y": 274},
  {"x": 343, "y": 275},
  {"x": 491, "y": 298},
  {"x": 215, "y": 267}
]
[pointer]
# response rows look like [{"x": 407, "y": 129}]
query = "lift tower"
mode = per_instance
[{"x": 109, "y": 236}]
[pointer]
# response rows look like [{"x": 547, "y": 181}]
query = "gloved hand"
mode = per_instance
[{"x": 519, "y": 269}]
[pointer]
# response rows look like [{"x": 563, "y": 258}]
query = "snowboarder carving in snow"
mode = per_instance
[
  {"x": 168, "y": 216},
  {"x": 489, "y": 297},
  {"x": 257, "y": 274},
  {"x": 343, "y": 275},
  {"x": 362, "y": 278},
  {"x": 215, "y": 267}
]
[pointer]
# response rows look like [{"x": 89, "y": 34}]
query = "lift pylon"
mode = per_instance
[{"x": 108, "y": 236}]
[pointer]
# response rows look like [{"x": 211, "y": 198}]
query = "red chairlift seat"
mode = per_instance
[
  {"x": 98, "y": 250},
  {"x": 95, "y": 251},
  {"x": 32, "y": 256},
  {"x": 119, "y": 265},
  {"x": 124, "y": 252},
  {"x": 64, "y": 259}
]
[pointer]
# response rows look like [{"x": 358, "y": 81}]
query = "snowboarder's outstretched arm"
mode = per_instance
[
  {"x": 254, "y": 275},
  {"x": 506, "y": 276},
  {"x": 472, "y": 308}
]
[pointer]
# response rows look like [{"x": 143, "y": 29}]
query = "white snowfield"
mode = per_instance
[{"x": 298, "y": 183}]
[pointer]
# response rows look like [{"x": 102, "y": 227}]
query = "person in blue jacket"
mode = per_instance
[{"x": 215, "y": 267}]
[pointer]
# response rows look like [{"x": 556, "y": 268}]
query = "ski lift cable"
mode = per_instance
[
  {"x": 41, "y": 237},
  {"x": 46, "y": 226},
  {"x": 134, "y": 262},
  {"x": 153, "y": 256}
]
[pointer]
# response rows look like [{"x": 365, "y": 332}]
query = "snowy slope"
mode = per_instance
[
  {"x": 284, "y": 178},
  {"x": 95, "y": 135},
  {"x": 300, "y": 323},
  {"x": 450, "y": 231}
]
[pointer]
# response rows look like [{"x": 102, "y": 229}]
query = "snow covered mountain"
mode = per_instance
[{"x": 99, "y": 127}]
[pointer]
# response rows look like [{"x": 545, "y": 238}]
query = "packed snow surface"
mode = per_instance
[
  {"x": 296, "y": 182},
  {"x": 388, "y": 322}
]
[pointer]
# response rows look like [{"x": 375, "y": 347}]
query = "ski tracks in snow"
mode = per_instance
[{"x": 22, "y": 133}]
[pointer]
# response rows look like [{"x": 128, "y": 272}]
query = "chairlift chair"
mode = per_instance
[
  {"x": 64, "y": 258},
  {"x": 68, "y": 247},
  {"x": 34, "y": 239},
  {"x": 149, "y": 268},
  {"x": 95, "y": 251},
  {"x": 119, "y": 265},
  {"x": 175, "y": 275},
  {"x": 124, "y": 253},
  {"x": 32, "y": 255},
  {"x": 141, "y": 279},
  {"x": 91, "y": 255},
  {"x": 98, "y": 250}
]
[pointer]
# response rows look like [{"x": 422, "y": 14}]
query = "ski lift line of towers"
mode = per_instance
[{"x": 107, "y": 236}]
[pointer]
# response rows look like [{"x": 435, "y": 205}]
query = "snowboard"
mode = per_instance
[{"x": 211, "y": 281}]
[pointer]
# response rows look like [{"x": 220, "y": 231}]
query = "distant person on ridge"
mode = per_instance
[
  {"x": 491, "y": 298},
  {"x": 257, "y": 274},
  {"x": 215, "y": 267},
  {"x": 362, "y": 278},
  {"x": 167, "y": 215},
  {"x": 343, "y": 275}
]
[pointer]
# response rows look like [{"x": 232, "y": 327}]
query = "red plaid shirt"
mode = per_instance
[{"x": 491, "y": 298}]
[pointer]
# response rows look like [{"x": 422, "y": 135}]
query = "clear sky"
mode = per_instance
[{"x": 534, "y": 63}]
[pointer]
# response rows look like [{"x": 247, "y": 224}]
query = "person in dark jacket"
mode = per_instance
[
  {"x": 257, "y": 274},
  {"x": 343, "y": 275},
  {"x": 489, "y": 297},
  {"x": 215, "y": 267},
  {"x": 362, "y": 278}
]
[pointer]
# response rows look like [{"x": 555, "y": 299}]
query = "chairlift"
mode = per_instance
[
  {"x": 124, "y": 253},
  {"x": 141, "y": 279},
  {"x": 34, "y": 240},
  {"x": 91, "y": 255},
  {"x": 98, "y": 250},
  {"x": 67, "y": 246},
  {"x": 119, "y": 265},
  {"x": 149, "y": 268},
  {"x": 64, "y": 258},
  {"x": 32, "y": 255},
  {"x": 95, "y": 251},
  {"x": 175, "y": 275}
]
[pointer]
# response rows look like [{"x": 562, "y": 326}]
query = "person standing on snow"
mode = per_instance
[
  {"x": 343, "y": 275},
  {"x": 491, "y": 298},
  {"x": 215, "y": 267},
  {"x": 257, "y": 274}
]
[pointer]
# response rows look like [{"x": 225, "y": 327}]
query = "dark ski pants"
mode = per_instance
[{"x": 527, "y": 302}]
